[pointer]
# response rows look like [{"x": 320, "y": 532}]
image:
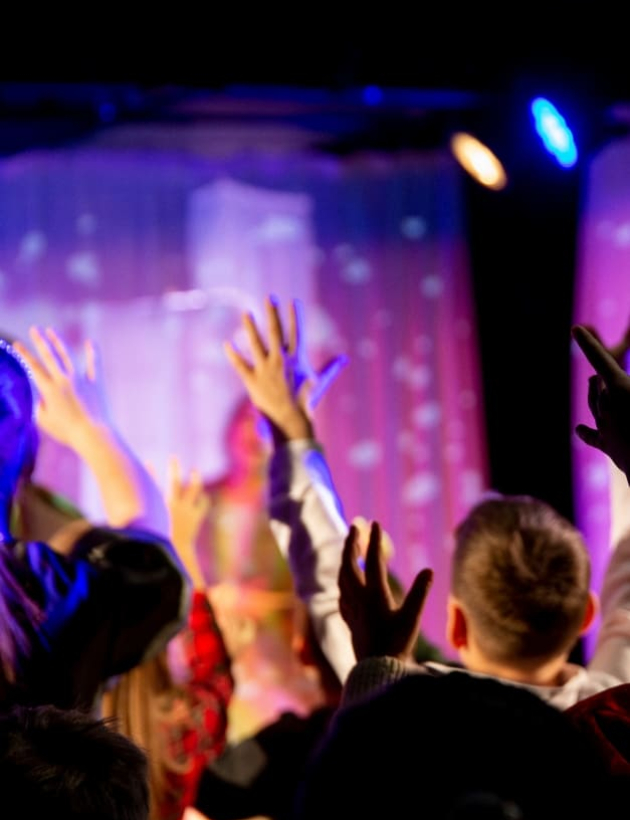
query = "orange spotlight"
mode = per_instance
[{"x": 479, "y": 161}]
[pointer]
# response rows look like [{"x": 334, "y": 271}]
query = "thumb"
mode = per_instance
[
  {"x": 305, "y": 395},
  {"x": 589, "y": 436},
  {"x": 326, "y": 377}
]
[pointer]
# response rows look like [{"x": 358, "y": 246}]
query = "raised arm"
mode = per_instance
[
  {"x": 305, "y": 511},
  {"x": 609, "y": 403},
  {"x": 198, "y": 657},
  {"x": 188, "y": 504},
  {"x": 72, "y": 410},
  {"x": 384, "y": 632},
  {"x": 126, "y": 582},
  {"x": 619, "y": 487}
]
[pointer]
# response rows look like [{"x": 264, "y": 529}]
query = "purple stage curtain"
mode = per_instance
[
  {"x": 154, "y": 245},
  {"x": 602, "y": 300}
]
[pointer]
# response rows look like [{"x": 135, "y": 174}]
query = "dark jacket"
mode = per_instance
[{"x": 111, "y": 605}]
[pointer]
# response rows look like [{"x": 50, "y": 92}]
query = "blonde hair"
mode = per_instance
[{"x": 141, "y": 704}]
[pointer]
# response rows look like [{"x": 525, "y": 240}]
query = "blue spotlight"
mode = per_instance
[
  {"x": 554, "y": 132},
  {"x": 107, "y": 111},
  {"x": 372, "y": 95}
]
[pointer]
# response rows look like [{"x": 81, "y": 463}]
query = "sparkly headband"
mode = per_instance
[{"x": 11, "y": 351}]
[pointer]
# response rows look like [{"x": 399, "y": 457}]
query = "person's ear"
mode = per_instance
[
  {"x": 592, "y": 608},
  {"x": 456, "y": 624}
]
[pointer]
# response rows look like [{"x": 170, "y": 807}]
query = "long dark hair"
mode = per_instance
[
  {"x": 18, "y": 434},
  {"x": 18, "y": 439}
]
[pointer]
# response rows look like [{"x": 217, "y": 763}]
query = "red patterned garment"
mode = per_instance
[{"x": 196, "y": 732}]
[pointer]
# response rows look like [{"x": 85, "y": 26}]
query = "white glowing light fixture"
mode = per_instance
[{"x": 479, "y": 161}]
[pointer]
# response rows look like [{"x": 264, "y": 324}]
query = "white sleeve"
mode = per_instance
[
  {"x": 612, "y": 650},
  {"x": 308, "y": 524}
]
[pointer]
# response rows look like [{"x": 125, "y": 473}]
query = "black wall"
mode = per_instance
[{"x": 523, "y": 252}]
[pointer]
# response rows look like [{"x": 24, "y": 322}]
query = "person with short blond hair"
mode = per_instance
[{"x": 521, "y": 574}]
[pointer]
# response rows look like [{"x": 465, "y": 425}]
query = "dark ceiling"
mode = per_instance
[
  {"x": 428, "y": 63},
  {"x": 455, "y": 45}
]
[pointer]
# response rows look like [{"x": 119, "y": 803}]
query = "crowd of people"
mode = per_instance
[{"x": 116, "y": 676}]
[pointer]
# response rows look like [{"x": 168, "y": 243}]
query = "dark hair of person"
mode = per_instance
[
  {"x": 18, "y": 441},
  {"x": 64, "y": 763}
]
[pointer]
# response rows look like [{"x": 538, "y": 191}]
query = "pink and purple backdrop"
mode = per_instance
[{"x": 153, "y": 243}]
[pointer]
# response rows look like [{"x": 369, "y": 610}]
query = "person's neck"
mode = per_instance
[{"x": 549, "y": 673}]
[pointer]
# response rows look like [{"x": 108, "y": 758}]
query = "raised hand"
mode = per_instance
[
  {"x": 73, "y": 411},
  {"x": 279, "y": 379},
  {"x": 188, "y": 504},
  {"x": 377, "y": 624},
  {"x": 69, "y": 397},
  {"x": 608, "y": 401},
  {"x": 619, "y": 351}
]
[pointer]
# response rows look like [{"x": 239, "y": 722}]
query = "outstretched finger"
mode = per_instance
[
  {"x": 597, "y": 355},
  {"x": 174, "y": 477},
  {"x": 376, "y": 564},
  {"x": 412, "y": 606},
  {"x": 46, "y": 353},
  {"x": 256, "y": 344},
  {"x": 92, "y": 360},
  {"x": 594, "y": 332},
  {"x": 38, "y": 372},
  {"x": 619, "y": 350},
  {"x": 274, "y": 323},
  {"x": 60, "y": 350},
  {"x": 237, "y": 360},
  {"x": 296, "y": 328},
  {"x": 350, "y": 575}
]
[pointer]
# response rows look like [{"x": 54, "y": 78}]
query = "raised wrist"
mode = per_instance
[
  {"x": 293, "y": 425},
  {"x": 89, "y": 436}
]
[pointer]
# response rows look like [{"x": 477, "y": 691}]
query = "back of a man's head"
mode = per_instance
[
  {"x": 18, "y": 436},
  {"x": 66, "y": 764},
  {"x": 521, "y": 572}
]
